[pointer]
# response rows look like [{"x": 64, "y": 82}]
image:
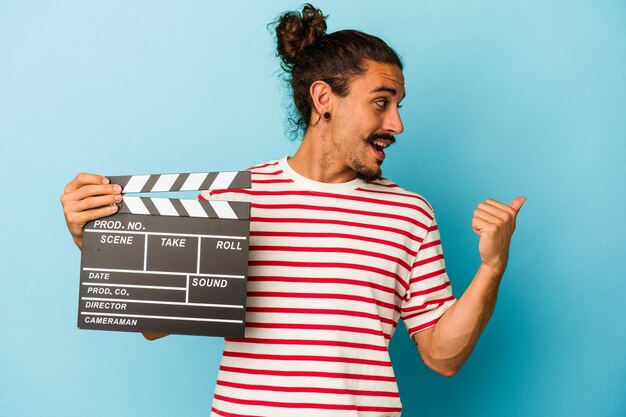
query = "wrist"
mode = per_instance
[{"x": 495, "y": 269}]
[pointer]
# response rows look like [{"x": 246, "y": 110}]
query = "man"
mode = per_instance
[{"x": 338, "y": 254}]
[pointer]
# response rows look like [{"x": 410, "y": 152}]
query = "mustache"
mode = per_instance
[{"x": 385, "y": 136}]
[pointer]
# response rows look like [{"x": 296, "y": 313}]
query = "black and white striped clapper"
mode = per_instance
[{"x": 168, "y": 265}]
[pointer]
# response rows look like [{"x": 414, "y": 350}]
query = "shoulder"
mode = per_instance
[
  {"x": 266, "y": 173},
  {"x": 383, "y": 188},
  {"x": 265, "y": 168}
]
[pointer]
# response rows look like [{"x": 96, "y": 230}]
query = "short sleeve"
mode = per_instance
[
  {"x": 221, "y": 195},
  {"x": 430, "y": 293}
]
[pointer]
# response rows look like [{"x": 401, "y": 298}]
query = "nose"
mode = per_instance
[{"x": 393, "y": 122}]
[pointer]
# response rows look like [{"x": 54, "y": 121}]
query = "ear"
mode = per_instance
[{"x": 321, "y": 95}]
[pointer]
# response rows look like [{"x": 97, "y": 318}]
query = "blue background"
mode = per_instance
[{"x": 503, "y": 98}]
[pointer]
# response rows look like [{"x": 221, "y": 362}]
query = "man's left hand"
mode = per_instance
[{"x": 494, "y": 222}]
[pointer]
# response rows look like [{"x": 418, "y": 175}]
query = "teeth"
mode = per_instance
[{"x": 380, "y": 144}]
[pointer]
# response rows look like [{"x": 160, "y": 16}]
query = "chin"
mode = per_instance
[
  {"x": 367, "y": 171},
  {"x": 369, "y": 175},
  {"x": 367, "y": 178}
]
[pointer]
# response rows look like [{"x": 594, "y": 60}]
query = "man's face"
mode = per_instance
[{"x": 364, "y": 121}]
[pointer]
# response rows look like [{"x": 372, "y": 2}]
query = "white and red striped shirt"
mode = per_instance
[{"x": 332, "y": 269}]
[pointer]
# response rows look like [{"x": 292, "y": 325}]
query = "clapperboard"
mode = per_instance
[{"x": 168, "y": 265}]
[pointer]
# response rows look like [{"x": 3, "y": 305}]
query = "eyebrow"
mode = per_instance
[{"x": 389, "y": 90}]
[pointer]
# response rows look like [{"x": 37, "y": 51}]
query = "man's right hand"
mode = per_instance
[{"x": 88, "y": 197}]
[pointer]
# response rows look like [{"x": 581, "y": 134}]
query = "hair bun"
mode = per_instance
[{"x": 295, "y": 32}]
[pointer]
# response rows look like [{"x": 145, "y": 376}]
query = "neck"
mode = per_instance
[{"x": 316, "y": 159}]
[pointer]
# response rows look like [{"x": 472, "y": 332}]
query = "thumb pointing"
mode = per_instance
[{"x": 517, "y": 203}]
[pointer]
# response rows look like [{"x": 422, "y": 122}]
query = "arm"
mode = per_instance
[
  {"x": 446, "y": 346},
  {"x": 89, "y": 197},
  {"x": 153, "y": 336}
]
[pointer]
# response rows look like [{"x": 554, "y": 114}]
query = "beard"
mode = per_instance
[{"x": 368, "y": 174}]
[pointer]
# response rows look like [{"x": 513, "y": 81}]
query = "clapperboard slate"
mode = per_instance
[{"x": 168, "y": 265}]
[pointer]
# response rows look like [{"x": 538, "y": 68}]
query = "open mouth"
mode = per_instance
[{"x": 379, "y": 145}]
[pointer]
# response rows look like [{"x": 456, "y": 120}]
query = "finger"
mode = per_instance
[
  {"x": 91, "y": 191},
  {"x": 513, "y": 206},
  {"x": 488, "y": 217},
  {"x": 95, "y": 202},
  {"x": 502, "y": 214},
  {"x": 517, "y": 203},
  {"x": 83, "y": 179},
  {"x": 479, "y": 225},
  {"x": 501, "y": 206},
  {"x": 78, "y": 219}
]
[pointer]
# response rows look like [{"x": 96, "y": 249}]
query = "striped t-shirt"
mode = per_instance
[{"x": 332, "y": 269}]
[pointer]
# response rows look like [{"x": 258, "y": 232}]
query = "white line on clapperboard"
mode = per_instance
[
  {"x": 151, "y": 287},
  {"x": 197, "y": 259},
  {"x": 142, "y": 316},
  {"x": 197, "y": 268},
  {"x": 134, "y": 271},
  {"x": 145, "y": 255},
  {"x": 176, "y": 303},
  {"x": 165, "y": 234},
  {"x": 187, "y": 290}
]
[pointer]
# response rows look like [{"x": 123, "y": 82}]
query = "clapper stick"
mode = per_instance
[
  {"x": 182, "y": 182},
  {"x": 185, "y": 207},
  {"x": 168, "y": 265}
]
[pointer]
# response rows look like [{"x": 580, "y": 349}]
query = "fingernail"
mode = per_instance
[
  {"x": 118, "y": 198},
  {"x": 105, "y": 180},
  {"x": 114, "y": 208},
  {"x": 117, "y": 188}
]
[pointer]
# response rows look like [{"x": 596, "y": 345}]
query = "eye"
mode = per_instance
[{"x": 382, "y": 103}]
